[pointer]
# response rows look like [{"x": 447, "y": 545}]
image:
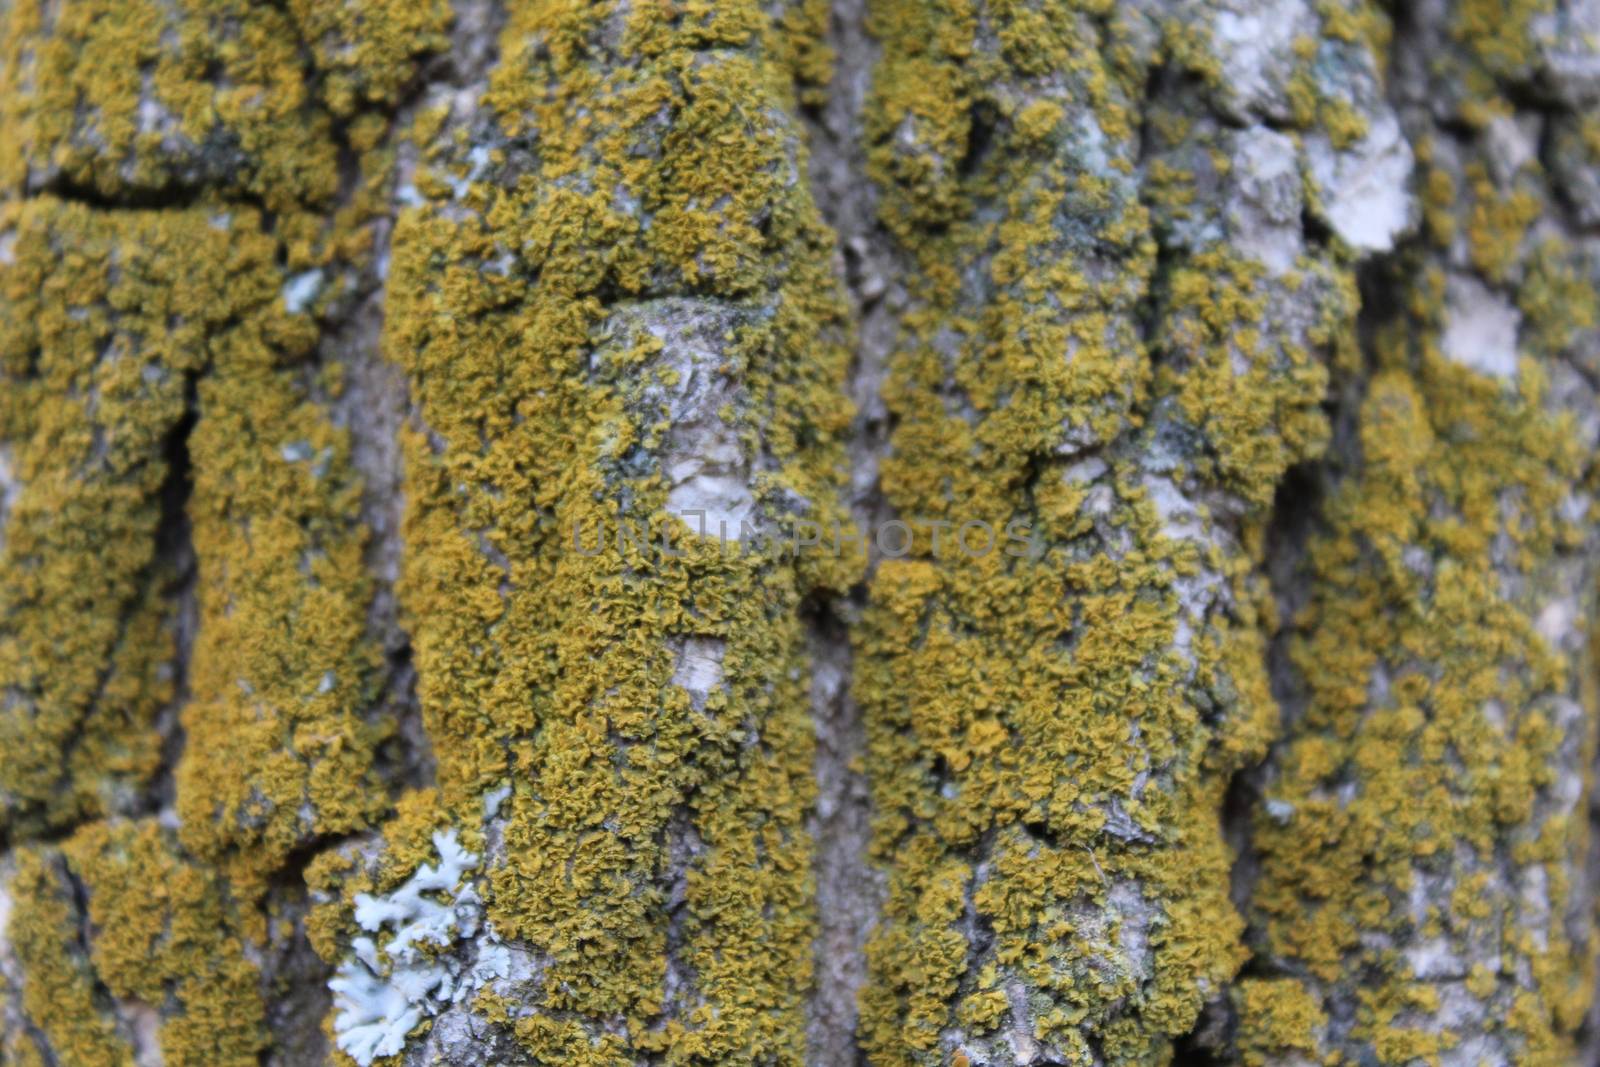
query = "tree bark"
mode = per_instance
[{"x": 950, "y": 533}]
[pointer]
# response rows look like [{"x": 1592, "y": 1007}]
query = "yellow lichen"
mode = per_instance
[
  {"x": 1279, "y": 1019},
  {"x": 1049, "y": 738},
  {"x": 662, "y": 243},
  {"x": 282, "y": 666},
  {"x": 115, "y": 922},
  {"x": 1428, "y": 740},
  {"x": 59, "y": 992},
  {"x": 105, "y": 320},
  {"x": 162, "y": 930},
  {"x": 189, "y": 207}
]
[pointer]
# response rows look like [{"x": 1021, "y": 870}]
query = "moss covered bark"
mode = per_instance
[{"x": 975, "y": 532}]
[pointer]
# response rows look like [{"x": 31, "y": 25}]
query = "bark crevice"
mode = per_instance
[{"x": 849, "y": 888}]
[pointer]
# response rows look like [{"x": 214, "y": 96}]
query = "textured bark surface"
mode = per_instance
[{"x": 972, "y": 533}]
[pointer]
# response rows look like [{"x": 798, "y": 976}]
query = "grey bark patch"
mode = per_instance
[
  {"x": 1265, "y": 201},
  {"x": 1254, "y": 42},
  {"x": 1480, "y": 328},
  {"x": 1364, "y": 189},
  {"x": 849, "y": 889},
  {"x": 699, "y": 668}
]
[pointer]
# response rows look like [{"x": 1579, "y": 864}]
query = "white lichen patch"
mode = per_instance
[
  {"x": 435, "y": 954},
  {"x": 493, "y": 799}
]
